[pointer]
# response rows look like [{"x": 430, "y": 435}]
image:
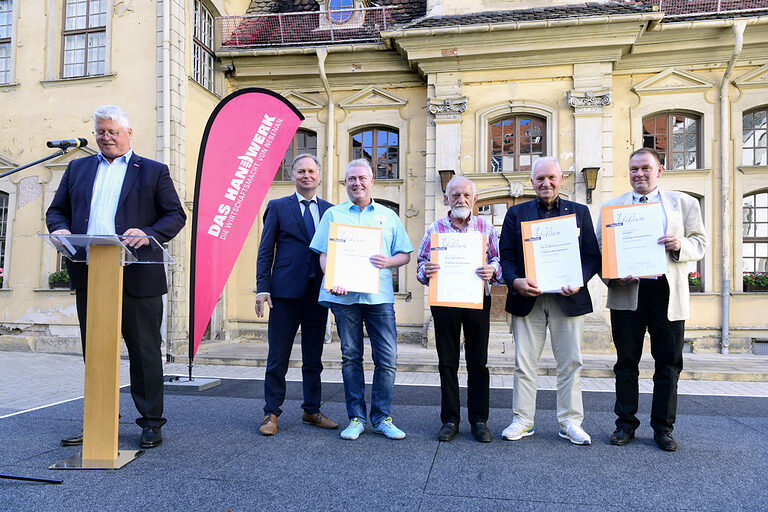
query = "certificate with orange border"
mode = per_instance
[
  {"x": 348, "y": 261},
  {"x": 551, "y": 253},
  {"x": 630, "y": 235},
  {"x": 456, "y": 284}
]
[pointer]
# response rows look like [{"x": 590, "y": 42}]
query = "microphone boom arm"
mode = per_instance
[{"x": 59, "y": 152}]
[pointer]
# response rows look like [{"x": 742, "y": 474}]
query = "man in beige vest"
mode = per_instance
[{"x": 658, "y": 305}]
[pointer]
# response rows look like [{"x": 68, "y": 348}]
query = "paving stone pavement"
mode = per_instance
[{"x": 33, "y": 380}]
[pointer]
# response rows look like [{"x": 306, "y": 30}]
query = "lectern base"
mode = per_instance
[{"x": 77, "y": 461}]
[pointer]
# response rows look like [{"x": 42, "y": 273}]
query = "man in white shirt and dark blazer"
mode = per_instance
[{"x": 658, "y": 305}]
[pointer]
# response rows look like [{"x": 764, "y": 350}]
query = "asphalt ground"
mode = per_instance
[{"x": 214, "y": 459}]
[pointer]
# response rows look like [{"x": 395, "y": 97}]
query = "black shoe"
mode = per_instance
[
  {"x": 481, "y": 433},
  {"x": 75, "y": 440},
  {"x": 665, "y": 441},
  {"x": 151, "y": 437},
  {"x": 622, "y": 437},
  {"x": 448, "y": 432}
]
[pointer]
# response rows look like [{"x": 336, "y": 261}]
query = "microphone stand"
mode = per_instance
[{"x": 61, "y": 151}]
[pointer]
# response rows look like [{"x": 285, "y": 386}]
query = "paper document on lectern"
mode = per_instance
[
  {"x": 348, "y": 262},
  {"x": 630, "y": 235},
  {"x": 551, "y": 253},
  {"x": 456, "y": 284}
]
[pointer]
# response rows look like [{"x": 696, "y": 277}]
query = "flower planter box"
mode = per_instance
[
  {"x": 755, "y": 288},
  {"x": 694, "y": 288},
  {"x": 59, "y": 284}
]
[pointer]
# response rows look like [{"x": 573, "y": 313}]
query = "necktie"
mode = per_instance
[
  {"x": 643, "y": 199},
  {"x": 309, "y": 222}
]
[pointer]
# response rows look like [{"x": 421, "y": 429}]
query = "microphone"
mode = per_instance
[{"x": 68, "y": 143}]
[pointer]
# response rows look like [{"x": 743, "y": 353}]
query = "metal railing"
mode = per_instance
[
  {"x": 689, "y": 7},
  {"x": 303, "y": 28}
]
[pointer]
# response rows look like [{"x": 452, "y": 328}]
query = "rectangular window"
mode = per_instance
[
  {"x": 85, "y": 38},
  {"x": 6, "y": 13},
  {"x": 202, "y": 46},
  {"x": 3, "y": 229}
]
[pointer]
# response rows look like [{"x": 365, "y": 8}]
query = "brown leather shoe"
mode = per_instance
[
  {"x": 268, "y": 425},
  {"x": 318, "y": 420}
]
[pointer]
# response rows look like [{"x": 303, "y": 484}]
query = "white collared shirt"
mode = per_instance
[
  {"x": 314, "y": 208},
  {"x": 106, "y": 194}
]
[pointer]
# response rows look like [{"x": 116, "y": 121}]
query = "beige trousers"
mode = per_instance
[{"x": 530, "y": 334}]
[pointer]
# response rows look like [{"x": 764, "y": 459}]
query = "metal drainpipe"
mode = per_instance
[
  {"x": 167, "y": 155},
  {"x": 322, "y": 53},
  {"x": 738, "y": 30}
]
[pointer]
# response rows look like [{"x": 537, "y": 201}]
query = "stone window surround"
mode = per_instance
[{"x": 488, "y": 115}]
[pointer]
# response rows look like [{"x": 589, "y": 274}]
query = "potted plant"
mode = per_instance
[
  {"x": 59, "y": 279},
  {"x": 756, "y": 281},
  {"x": 694, "y": 282},
  {"x": 2, "y": 275}
]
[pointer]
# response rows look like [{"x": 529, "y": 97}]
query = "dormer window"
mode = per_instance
[{"x": 340, "y": 10}]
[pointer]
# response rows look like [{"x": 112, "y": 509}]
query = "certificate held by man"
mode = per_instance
[
  {"x": 551, "y": 253},
  {"x": 349, "y": 251},
  {"x": 630, "y": 235},
  {"x": 457, "y": 284}
]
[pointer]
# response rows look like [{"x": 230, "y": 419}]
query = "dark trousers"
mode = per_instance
[
  {"x": 284, "y": 320},
  {"x": 142, "y": 317},
  {"x": 628, "y": 329},
  {"x": 448, "y": 324}
]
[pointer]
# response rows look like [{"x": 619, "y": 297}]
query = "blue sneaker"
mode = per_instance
[
  {"x": 389, "y": 429},
  {"x": 353, "y": 430}
]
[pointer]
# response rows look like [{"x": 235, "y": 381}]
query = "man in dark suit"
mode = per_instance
[
  {"x": 534, "y": 311},
  {"x": 288, "y": 278},
  {"x": 119, "y": 192}
]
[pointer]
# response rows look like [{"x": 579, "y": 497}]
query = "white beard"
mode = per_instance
[{"x": 461, "y": 212}]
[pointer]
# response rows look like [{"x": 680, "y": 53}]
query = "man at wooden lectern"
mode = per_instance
[{"x": 119, "y": 192}]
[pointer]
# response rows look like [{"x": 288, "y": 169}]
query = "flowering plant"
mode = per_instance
[
  {"x": 694, "y": 279},
  {"x": 2, "y": 275},
  {"x": 756, "y": 278}
]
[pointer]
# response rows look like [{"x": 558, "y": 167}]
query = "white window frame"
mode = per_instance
[{"x": 203, "y": 38}]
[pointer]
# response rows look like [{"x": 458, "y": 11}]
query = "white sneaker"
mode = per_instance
[
  {"x": 517, "y": 430},
  {"x": 575, "y": 434},
  {"x": 353, "y": 431}
]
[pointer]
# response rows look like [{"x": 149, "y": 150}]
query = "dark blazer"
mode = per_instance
[
  {"x": 285, "y": 259},
  {"x": 513, "y": 266},
  {"x": 148, "y": 201}
]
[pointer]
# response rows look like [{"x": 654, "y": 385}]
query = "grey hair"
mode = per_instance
[
  {"x": 112, "y": 113},
  {"x": 360, "y": 162},
  {"x": 301, "y": 157},
  {"x": 541, "y": 161},
  {"x": 457, "y": 179}
]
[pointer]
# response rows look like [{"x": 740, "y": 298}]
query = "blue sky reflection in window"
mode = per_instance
[{"x": 340, "y": 10}]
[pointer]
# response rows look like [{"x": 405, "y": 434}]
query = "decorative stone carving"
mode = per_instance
[
  {"x": 516, "y": 188},
  {"x": 448, "y": 108},
  {"x": 589, "y": 102}
]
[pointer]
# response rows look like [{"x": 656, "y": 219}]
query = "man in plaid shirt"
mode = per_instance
[{"x": 461, "y": 195}]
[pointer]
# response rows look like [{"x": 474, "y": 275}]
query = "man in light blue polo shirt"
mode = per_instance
[{"x": 376, "y": 310}]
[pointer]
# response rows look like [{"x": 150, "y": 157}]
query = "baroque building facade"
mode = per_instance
[{"x": 424, "y": 88}]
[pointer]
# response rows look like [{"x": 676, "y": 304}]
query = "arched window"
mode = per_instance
[
  {"x": 676, "y": 137},
  {"x": 3, "y": 231},
  {"x": 755, "y": 239},
  {"x": 514, "y": 143},
  {"x": 340, "y": 10},
  {"x": 755, "y": 137},
  {"x": 380, "y": 147},
  {"x": 304, "y": 141}
]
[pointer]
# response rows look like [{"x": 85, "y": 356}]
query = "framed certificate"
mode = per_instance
[
  {"x": 456, "y": 284},
  {"x": 348, "y": 262},
  {"x": 551, "y": 253},
  {"x": 630, "y": 235}
]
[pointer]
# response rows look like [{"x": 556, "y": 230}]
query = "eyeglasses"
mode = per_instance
[{"x": 102, "y": 134}]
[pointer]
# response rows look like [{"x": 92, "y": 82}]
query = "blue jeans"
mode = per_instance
[{"x": 380, "y": 322}]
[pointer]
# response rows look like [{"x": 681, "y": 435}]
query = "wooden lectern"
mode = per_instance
[{"x": 105, "y": 256}]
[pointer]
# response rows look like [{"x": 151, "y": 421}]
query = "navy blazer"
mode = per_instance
[
  {"x": 148, "y": 201},
  {"x": 285, "y": 259},
  {"x": 513, "y": 265}
]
